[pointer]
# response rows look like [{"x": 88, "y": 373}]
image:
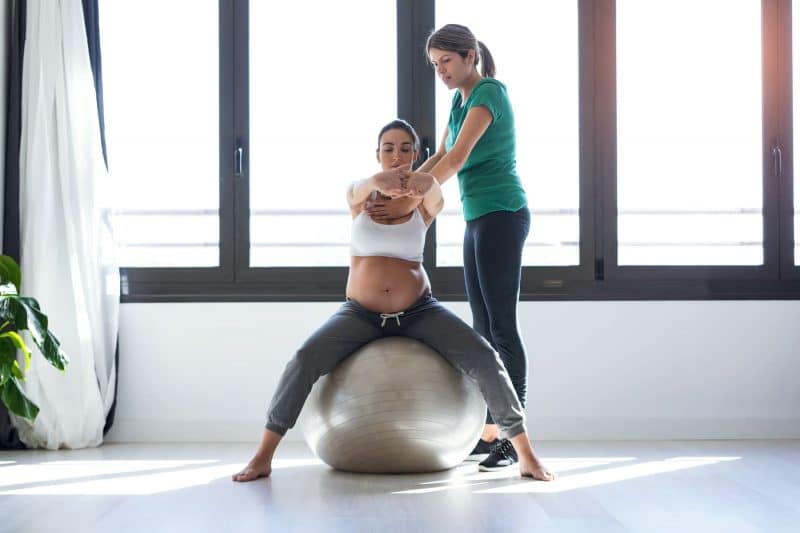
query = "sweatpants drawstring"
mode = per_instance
[{"x": 396, "y": 316}]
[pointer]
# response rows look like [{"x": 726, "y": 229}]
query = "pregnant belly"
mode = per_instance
[{"x": 385, "y": 284}]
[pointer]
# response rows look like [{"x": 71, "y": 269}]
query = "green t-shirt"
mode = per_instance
[{"x": 488, "y": 181}]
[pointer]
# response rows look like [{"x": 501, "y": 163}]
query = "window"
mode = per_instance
[
  {"x": 689, "y": 150},
  {"x": 543, "y": 88},
  {"x": 319, "y": 93},
  {"x": 162, "y": 129},
  {"x": 654, "y": 140}
]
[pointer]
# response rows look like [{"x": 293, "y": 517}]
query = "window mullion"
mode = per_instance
[
  {"x": 773, "y": 143},
  {"x": 236, "y": 174},
  {"x": 785, "y": 125}
]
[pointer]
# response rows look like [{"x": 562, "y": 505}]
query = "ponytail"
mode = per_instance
[{"x": 485, "y": 57}]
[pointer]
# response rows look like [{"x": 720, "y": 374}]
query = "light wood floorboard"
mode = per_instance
[{"x": 663, "y": 486}]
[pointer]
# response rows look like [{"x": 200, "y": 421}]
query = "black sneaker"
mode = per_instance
[
  {"x": 481, "y": 451},
  {"x": 502, "y": 456}
]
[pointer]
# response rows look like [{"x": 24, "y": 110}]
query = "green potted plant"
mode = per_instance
[{"x": 17, "y": 314}]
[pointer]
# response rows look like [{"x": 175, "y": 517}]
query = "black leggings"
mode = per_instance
[{"x": 492, "y": 269}]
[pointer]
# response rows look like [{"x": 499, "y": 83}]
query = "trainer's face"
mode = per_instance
[
  {"x": 451, "y": 68},
  {"x": 396, "y": 148}
]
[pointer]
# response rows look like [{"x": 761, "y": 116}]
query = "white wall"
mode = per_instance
[{"x": 598, "y": 370}]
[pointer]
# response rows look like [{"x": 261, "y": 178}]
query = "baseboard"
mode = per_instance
[{"x": 541, "y": 428}]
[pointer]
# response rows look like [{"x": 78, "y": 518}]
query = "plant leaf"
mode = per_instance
[
  {"x": 51, "y": 350},
  {"x": 16, "y": 401},
  {"x": 8, "y": 353},
  {"x": 18, "y": 342},
  {"x": 15, "y": 310},
  {"x": 9, "y": 271},
  {"x": 26, "y": 315},
  {"x": 9, "y": 365},
  {"x": 6, "y": 371},
  {"x": 35, "y": 320},
  {"x": 30, "y": 302},
  {"x": 7, "y": 288},
  {"x": 16, "y": 371}
]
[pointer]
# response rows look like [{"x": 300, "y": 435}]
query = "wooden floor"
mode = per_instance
[{"x": 675, "y": 486}]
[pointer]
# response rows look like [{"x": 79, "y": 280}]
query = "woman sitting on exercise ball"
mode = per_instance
[{"x": 389, "y": 294}]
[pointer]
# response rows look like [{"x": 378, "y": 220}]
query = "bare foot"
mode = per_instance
[
  {"x": 253, "y": 470},
  {"x": 536, "y": 470}
]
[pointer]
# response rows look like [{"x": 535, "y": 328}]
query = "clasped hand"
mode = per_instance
[{"x": 402, "y": 181}]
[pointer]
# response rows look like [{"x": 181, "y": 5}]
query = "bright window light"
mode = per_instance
[
  {"x": 161, "y": 96},
  {"x": 122, "y": 477},
  {"x": 321, "y": 87},
  {"x": 689, "y": 148},
  {"x": 535, "y": 47},
  {"x": 605, "y": 476}
]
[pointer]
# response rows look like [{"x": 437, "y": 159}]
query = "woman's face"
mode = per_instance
[
  {"x": 396, "y": 148},
  {"x": 451, "y": 68}
]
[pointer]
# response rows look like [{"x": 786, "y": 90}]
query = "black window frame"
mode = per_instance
[{"x": 597, "y": 277}]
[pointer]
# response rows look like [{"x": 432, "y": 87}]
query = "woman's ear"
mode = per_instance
[
  {"x": 471, "y": 56},
  {"x": 378, "y": 155}
]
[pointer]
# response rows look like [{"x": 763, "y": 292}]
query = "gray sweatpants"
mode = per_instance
[{"x": 427, "y": 321}]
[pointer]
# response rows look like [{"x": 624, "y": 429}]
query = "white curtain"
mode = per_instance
[{"x": 67, "y": 252}]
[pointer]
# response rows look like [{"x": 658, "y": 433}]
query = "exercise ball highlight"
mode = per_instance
[{"x": 394, "y": 406}]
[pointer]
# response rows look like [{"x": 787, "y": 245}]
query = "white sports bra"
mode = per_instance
[{"x": 402, "y": 241}]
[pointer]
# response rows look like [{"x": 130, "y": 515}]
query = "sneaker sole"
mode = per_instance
[
  {"x": 477, "y": 457},
  {"x": 494, "y": 468}
]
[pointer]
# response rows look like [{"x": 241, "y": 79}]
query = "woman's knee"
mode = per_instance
[
  {"x": 488, "y": 367},
  {"x": 309, "y": 360}
]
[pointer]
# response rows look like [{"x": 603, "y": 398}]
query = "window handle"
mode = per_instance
[
  {"x": 777, "y": 161},
  {"x": 238, "y": 155},
  {"x": 426, "y": 149}
]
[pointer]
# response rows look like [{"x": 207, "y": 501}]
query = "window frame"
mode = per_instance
[
  {"x": 597, "y": 277},
  {"x": 780, "y": 25}
]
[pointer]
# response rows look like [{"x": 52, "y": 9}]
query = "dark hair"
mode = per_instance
[
  {"x": 458, "y": 38},
  {"x": 400, "y": 124}
]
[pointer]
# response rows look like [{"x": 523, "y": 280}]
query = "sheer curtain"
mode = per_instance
[{"x": 67, "y": 251}]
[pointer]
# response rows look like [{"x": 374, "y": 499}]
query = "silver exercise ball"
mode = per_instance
[{"x": 394, "y": 406}]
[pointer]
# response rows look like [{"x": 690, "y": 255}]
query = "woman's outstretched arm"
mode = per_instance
[
  {"x": 424, "y": 185},
  {"x": 478, "y": 119},
  {"x": 388, "y": 182},
  {"x": 390, "y": 209}
]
